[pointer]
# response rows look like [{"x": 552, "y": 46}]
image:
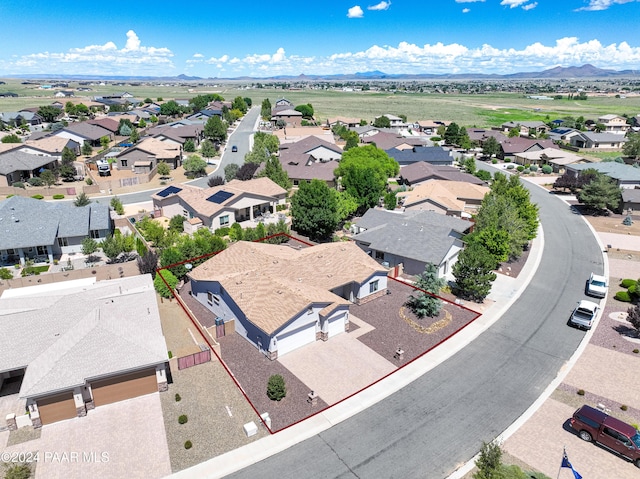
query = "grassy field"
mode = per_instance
[{"x": 485, "y": 110}]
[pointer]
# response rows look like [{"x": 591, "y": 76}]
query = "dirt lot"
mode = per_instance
[{"x": 613, "y": 223}]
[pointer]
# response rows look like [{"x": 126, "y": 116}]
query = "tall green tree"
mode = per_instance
[
  {"x": 208, "y": 149},
  {"x": 82, "y": 200},
  {"x": 424, "y": 304},
  {"x": 632, "y": 147},
  {"x": 215, "y": 129},
  {"x": 189, "y": 146},
  {"x": 49, "y": 113},
  {"x": 230, "y": 171},
  {"x": 87, "y": 149},
  {"x": 170, "y": 108},
  {"x": 163, "y": 168},
  {"x": 601, "y": 194},
  {"x": 306, "y": 110},
  {"x": 194, "y": 165},
  {"x": 451, "y": 134},
  {"x": 265, "y": 110},
  {"x": 364, "y": 172},
  {"x": 274, "y": 171},
  {"x": 48, "y": 178},
  {"x": 474, "y": 272},
  {"x": 490, "y": 147},
  {"x": 240, "y": 104},
  {"x": 314, "y": 208}
]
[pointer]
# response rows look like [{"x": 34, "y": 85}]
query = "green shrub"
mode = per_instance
[
  {"x": 183, "y": 419},
  {"x": 178, "y": 398},
  {"x": 37, "y": 197},
  {"x": 623, "y": 296},
  {"x": 533, "y": 168},
  {"x": 510, "y": 167},
  {"x": 624, "y": 407},
  {"x": 18, "y": 184},
  {"x": 5, "y": 273},
  {"x": 494, "y": 161},
  {"x": 547, "y": 169},
  {"x": 35, "y": 181},
  {"x": 628, "y": 282},
  {"x": 276, "y": 389},
  {"x": 580, "y": 392},
  {"x": 170, "y": 354},
  {"x": 520, "y": 168},
  {"x": 88, "y": 181},
  {"x": 507, "y": 160},
  {"x": 58, "y": 197},
  {"x": 18, "y": 471},
  {"x": 224, "y": 231},
  {"x": 633, "y": 289},
  {"x": 636, "y": 350},
  {"x": 526, "y": 171},
  {"x": 188, "y": 445}
]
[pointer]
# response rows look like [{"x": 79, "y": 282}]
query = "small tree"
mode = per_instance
[
  {"x": 161, "y": 287},
  {"x": 87, "y": 149},
  {"x": 189, "y": 146},
  {"x": 474, "y": 272},
  {"x": 89, "y": 246},
  {"x": 490, "y": 147},
  {"x": 148, "y": 263},
  {"x": 230, "y": 171},
  {"x": 423, "y": 304},
  {"x": 11, "y": 139},
  {"x": 117, "y": 206},
  {"x": 176, "y": 223},
  {"x": 600, "y": 194},
  {"x": 390, "y": 200},
  {"x": 215, "y": 181},
  {"x": 163, "y": 168},
  {"x": 82, "y": 200},
  {"x": 276, "y": 389},
  {"x": 104, "y": 142},
  {"x": 48, "y": 178},
  {"x": 208, "y": 149},
  {"x": 195, "y": 166},
  {"x": 634, "y": 317},
  {"x": 489, "y": 463}
]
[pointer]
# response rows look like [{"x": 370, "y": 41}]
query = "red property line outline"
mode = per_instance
[{"x": 232, "y": 376}]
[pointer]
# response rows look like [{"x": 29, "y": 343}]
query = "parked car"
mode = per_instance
[
  {"x": 597, "y": 286},
  {"x": 584, "y": 314},
  {"x": 595, "y": 425},
  {"x": 234, "y": 149}
]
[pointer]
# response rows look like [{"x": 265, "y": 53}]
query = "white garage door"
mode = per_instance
[
  {"x": 336, "y": 325},
  {"x": 295, "y": 339}
]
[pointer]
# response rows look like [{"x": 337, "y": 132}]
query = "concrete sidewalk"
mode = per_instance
[{"x": 504, "y": 293}]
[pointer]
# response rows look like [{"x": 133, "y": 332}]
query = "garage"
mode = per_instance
[
  {"x": 123, "y": 387},
  {"x": 57, "y": 408},
  {"x": 287, "y": 342},
  {"x": 336, "y": 325}
]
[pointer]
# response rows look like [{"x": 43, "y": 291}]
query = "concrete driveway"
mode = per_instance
[
  {"x": 342, "y": 354},
  {"x": 124, "y": 439}
]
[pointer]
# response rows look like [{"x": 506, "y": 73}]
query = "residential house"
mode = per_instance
[
  {"x": 204, "y": 115},
  {"x": 107, "y": 123},
  {"x": 479, "y": 135},
  {"x": 527, "y": 128},
  {"x": 64, "y": 94},
  {"x": 517, "y": 144},
  {"x": 344, "y": 121},
  {"x": 626, "y": 176},
  {"x": 394, "y": 121},
  {"x": 453, "y": 198},
  {"x": 281, "y": 298},
  {"x": 289, "y": 116},
  {"x": 38, "y": 230},
  {"x": 563, "y": 134},
  {"x": 294, "y": 134},
  {"x": 434, "y": 155},
  {"x": 387, "y": 140},
  {"x": 614, "y": 124},
  {"x": 19, "y": 166},
  {"x": 557, "y": 158},
  {"x": 179, "y": 133},
  {"x": 601, "y": 141},
  {"x": 280, "y": 105},
  {"x": 430, "y": 127},
  {"x": 310, "y": 158},
  {"x": 145, "y": 156},
  {"x": 234, "y": 202},
  {"x": 631, "y": 200},
  {"x": 51, "y": 146},
  {"x": 82, "y": 344},
  {"x": 411, "y": 239},
  {"x": 17, "y": 118},
  {"x": 422, "y": 171},
  {"x": 85, "y": 132}
]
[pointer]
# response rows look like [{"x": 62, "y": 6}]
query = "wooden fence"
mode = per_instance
[{"x": 194, "y": 359}]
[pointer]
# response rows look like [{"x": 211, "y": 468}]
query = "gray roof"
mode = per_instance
[
  {"x": 26, "y": 222},
  {"x": 14, "y": 160},
  {"x": 630, "y": 195},
  {"x": 424, "y": 236},
  {"x": 81, "y": 332},
  {"x": 87, "y": 130},
  {"x": 431, "y": 154},
  {"x": 604, "y": 137},
  {"x": 617, "y": 171}
]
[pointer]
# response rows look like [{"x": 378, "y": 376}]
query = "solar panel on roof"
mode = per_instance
[
  {"x": 220, "y": 197},
  {"x": 169, "y": 191}
]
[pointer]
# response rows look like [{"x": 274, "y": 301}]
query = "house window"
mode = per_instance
[
  {"x": 212, "y": 298},
  {"x": 379, "y": 254},
  {"x": 224, "y": 220},
  {"x": 41, "y": 250},
  {"x": 95, "y": 234},
  {"x": 310, "y": 311},
  {"x": 124, "y": 162},
  {"x": 373, "y": 286},
  {"x": 63, "y": 242}
]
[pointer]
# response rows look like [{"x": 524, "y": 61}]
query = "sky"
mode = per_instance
[{"x": 225, "y": 39}]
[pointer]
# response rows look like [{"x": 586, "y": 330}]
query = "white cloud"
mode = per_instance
[
  {"x": 466, "y": 10},
  {"x": 595, "y": 5},
  {"x": 468, "y": 1},
  {"x": 198, "y": 55},
  {"x": 380, "y": 6},
  {"x": 99, "y": 59},
  {"x": 513, "y": 3},
  {"x": 530, "y": 6},
  {"x": 355, "y": 12}
]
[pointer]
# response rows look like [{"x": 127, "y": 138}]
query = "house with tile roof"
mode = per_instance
[
  {"x": 453, "y": 198},
  {"x": 510, "y": 147},
  {"x": 51, "y": 145},
  {"x": 411, "y": 239},
  {"x": 614, "y": 124},
  {"x": 145, "y": 156},
  {"x": 179, "y": 133},
  {"x": 41, "y": 231},
  {"x": 479, "y": 135},
  {"x": 386, "y": 140},
  {"x": 344, "y": 121},
  {"x": 85, "y": 132},
  {"x": 281, "y": 298},
  {"x": 221, "y": 206},
  {"x": 527, "y": 128},
  {"x": 422, "y": 171},
  {"x": 289, "y": 116},
  {"x": 108, "y": 123},
  {"x": 310, "y": 158},
  {"x": 557, "y": 158},
  {"x": 431, "y": 126},
  {"x": 81, "y": 344}
]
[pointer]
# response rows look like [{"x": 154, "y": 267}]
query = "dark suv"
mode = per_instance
[{"x": 595, "y": 425}]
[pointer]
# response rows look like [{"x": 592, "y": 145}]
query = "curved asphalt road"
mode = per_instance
[{"x": 437, "y": 423}]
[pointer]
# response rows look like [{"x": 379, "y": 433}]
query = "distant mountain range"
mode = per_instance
[{"x": 558, "y": 73}]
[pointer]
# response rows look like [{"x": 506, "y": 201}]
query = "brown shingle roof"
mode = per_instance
[{"x": 273, "y": 283}]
